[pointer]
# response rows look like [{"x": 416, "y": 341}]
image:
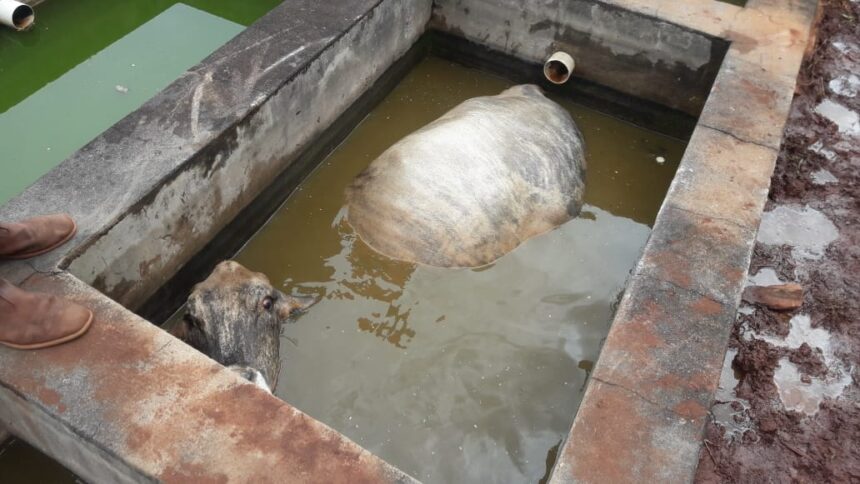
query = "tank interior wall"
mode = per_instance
[
  {"x": 633, "y": 53},
  {"x": 145, "y": 248}
]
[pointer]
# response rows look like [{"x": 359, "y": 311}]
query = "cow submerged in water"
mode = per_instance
[
  {"x": 235, "y": 318},
  {"x": 474, "y": 184}
]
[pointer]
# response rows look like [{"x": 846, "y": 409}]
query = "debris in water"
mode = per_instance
[
  {"x": 661, "y": 160},
  {"x": 121, "y": 89}
]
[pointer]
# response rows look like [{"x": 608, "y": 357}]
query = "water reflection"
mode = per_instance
[{"x": 457, "y": 375}]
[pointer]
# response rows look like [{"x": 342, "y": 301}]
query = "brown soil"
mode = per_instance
[{"x": 781, "y": 445}]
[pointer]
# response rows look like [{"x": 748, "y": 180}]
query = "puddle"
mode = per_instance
[
  {"x": 801, "y": 331},
  {"x": 823, "y": 177},
  {"x": 842, "y": 47},
  {"x": 764, "y": 277},
  {"x": 806, "y": 230},
  {"x": 846, "y": 120},
  {"x": 806, "y": 397},
  {"x": 795, "y": 393},
  {"x": 457, "y": 375},
  {"x": 818, "y": 147},
  {"x": 728, "y": 410},
  {"x": 847, "y": 86}
]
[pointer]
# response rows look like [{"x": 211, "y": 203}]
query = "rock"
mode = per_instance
[{"x": 783, "y": 297}]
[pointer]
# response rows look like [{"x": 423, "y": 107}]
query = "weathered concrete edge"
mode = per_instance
[
  {"x": 119, "y": 170},
  {"x": 32, "y": 423},
  {"x": 144, "y": 248},
  {"x": 634, "y": 52},
  {"x": 734, "y": 134},
  {"x": 644, "y": 412},
  {"x": 272, "y": 49},
  {"x": 130, "y": 403}
]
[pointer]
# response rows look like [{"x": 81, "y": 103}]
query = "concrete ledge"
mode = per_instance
[
  {"x": 723, "y": 178},
  {"x": 130, "y": 403},
  {"x": 143, "y": 249},
  {"x": 640, "y": 55},
  {"x": 705, "y": 16},
  {"x": 749, "y": 103},
  {"x": 127, "y": 402},
  {"x": 642, "y": 417}
]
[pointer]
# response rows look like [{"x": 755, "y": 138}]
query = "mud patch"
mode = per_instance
[{"x": 797, "y": 387}]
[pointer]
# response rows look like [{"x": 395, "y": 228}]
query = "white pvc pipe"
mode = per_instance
[
  {"x": 558, "y": 68},
  {"x": 17, "y": 15}
]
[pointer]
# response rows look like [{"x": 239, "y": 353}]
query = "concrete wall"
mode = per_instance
[
  {"x": 128, "y": 402},
  {"x": 633, "y": 53},
  {"x": 146, "y": 247}
]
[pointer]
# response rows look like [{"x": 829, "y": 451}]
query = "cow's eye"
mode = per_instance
[{"x": 268, "y": 303}]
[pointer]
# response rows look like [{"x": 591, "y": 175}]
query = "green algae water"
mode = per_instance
[
  {"x": 87, "y": 64},
  {"x": 58, "y": 90},
  {"x": 457, "y": 375}
]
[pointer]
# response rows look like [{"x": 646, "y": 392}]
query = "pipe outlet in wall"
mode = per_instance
[
  {"x": 17, "y": 15},
  {"x": 558, "y": 68}
]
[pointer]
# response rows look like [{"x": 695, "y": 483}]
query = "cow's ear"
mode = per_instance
[
  {"x": 180, "y": 329},
  {"x": 183, "y": 328}
]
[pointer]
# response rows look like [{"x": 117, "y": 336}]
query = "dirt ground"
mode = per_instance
[{"x": 789, "y": 406}]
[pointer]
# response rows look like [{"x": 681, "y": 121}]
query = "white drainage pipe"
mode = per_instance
[
  {"x": 558, "y": 68},
  {"x": 17, "y": 15}
]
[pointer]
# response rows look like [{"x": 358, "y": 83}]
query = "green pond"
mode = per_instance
[
  {"x": 87, "y": 64},
  {"x": 84, "y": 66}
]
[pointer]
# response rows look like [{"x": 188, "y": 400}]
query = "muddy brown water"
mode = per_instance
[
  {"x": 463, "y": 375},
  {"x": 22, "y": 464}
]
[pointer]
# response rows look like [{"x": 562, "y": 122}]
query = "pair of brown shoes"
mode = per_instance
[{"x": 32, "y": 320}]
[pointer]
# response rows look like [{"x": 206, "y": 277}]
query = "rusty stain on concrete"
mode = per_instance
[
  {"x": 687, "y": 285},
  {"x": 145, "y": 406}
]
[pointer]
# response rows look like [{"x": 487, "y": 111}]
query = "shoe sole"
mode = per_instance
[
  {"x": 46, "y": 249},
  {"x": 56, "y": 342}
]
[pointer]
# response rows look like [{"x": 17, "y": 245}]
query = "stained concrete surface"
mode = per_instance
[
  {"x": 798, "y": 372},
  {"x": 644, "y": 56},
  {"x": 660, "y": 366},
  {"x": 181, "y": 133},
  {"x": 70, "y": 401}
]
